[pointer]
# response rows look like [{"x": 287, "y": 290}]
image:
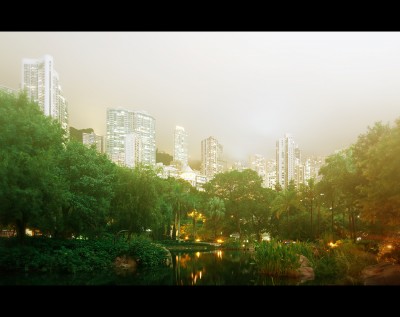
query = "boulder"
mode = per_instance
[
  {"x": 125, "y": 264},
  {"x": 305, "y": 270},
  {"x": 384, "y": 273}
]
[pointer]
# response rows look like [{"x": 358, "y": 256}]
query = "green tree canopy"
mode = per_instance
[
  {"x": 376, "y": 155},
  {"x": 238, "y": 190},
  {"x": 29, "y": 142},
  {"x": 88, "y": 178}
]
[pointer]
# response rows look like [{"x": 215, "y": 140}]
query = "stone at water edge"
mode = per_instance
[{"x": 384, "y": 273}]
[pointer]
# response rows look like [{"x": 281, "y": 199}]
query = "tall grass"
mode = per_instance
[
  {"x": 347, "y": 260},
  {"x": 278, "y": 259}
]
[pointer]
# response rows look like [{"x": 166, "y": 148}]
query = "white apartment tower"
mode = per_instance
[
  {"x": 211, "y": 157},
  {"x": 92, "y": 138},
  {"x": 257, "y": 163},
  {"x": 41, "y": 83},
  {"x": 180, "y": 146},
  {"x": 133, "y": 150},
  {"x": 144, "y": 125},
  {"x": 130, "y": 137},
  {"x": 285, "y": 160}
]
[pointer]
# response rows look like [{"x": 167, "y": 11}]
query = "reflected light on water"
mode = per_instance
[
  {"x": 219, "y": 254},
  {"x": 196, "y": 276},
  {"x": 198, "y": 254}
]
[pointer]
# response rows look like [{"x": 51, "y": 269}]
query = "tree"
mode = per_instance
[
  {"x": 285, "y": 201},
  {"x": 339, "y": 185},
  {"x": 308, "y": 195},
  {"x": 77, "y": 135},
  {"x": 238, "y": 190},
  {"x": 162, "y": 157},
  {"x": 215, "y": 211},
  {"x": 29, "y": 142},
  {"x": 376, "y": 156},
  {"x": 261, "y": 211},
  {"x": 135, "y": 206},
  {"x": 88, "y": 177}
]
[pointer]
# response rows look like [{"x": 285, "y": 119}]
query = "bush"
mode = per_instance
[
  {"x": 279, "y": 259},
  {"x": 346, "y": 259},
  {"x": 73, "y": 256}
]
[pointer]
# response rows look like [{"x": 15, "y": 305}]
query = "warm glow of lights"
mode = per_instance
[
  {"x": 197, "y": 240},
  {"x": 198, "y": 254},
  {"x": 333, "y": 245},
  {"x": 219, "y": 254},
  {"x": 243, "y": 245},
  {"x": 389, "y": 246},
  {"x": 186, "y": 238},
  {"x": 220, "y": 240},
  {"x": 200, "y": 274}
]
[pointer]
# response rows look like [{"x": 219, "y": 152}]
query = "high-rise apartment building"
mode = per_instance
[
  {"x": 180, "y": 146},
  {"x": 285, "y": 160},
  {"x": 211, "y": 157},
  {"x": 41, "y": 83},
  {"x": 257, "y": 163},
  {"x": 133, "y": 149},
  {"x": 92, "y": 138},
  {"x": 144, "y": 126},
  {"x": 238, "y": 166},
  {"x": 140, "y": 147},
  {"x": 271, "y": 173}
]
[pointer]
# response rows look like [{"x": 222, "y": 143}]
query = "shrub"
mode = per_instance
[
  {"x": 73, "y": 256},
  {"x": 278, "y": 259}
]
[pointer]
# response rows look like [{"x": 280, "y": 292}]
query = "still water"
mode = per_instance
[{"x": 195, "y": 268}]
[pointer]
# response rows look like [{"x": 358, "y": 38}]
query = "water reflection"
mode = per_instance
[
  {"x": 196, "y": 268},
  {"x": 221, "y": 268}
]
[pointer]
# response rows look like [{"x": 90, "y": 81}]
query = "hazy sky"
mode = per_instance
[{"x": 247, "y": 89}]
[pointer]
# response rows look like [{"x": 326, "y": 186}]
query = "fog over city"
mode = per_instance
[{"x": 247, "y": 89}]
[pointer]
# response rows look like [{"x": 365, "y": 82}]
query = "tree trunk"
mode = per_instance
[
  {"x": 333, "y": 233},
  {"x": 21, "y": 229},
  {"x": 318, "y": 219},
  {"x": 311, "y": 220},
  {"x": 179, "y": 222},
  {"x": 173, "y": 234},
  {"x": 194, "y": 227}
]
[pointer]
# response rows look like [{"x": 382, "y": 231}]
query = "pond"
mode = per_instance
[{"x": 187, "y": 268}]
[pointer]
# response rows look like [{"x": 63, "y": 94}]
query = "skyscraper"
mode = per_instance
[
  {"x": 133, "y": 149},
  {"x": 130, "y": 137},
  {"x": 92, "y": 138},
  {"x": 180, "y": 146},
  {"x": 257, "y": 163},
  {"x": 211, "y": 157},
  {"x": 41, "y": 83},
  {"x": 285, "y": 160},
  {"x": 144, "y": 125}
]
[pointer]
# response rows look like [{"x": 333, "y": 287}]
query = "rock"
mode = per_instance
[
  {"x": 168, "y": 257},
  {"x": 384, "y": 273},
  {"x": 305, "y": 270},
  {"x": 125, "y": 264},
  {"x": 306, "y": 273}
]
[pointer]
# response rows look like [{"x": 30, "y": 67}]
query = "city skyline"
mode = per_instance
[{"x": 245, "y": 88}]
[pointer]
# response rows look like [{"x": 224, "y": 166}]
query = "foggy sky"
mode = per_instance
[{"x": 247, "y": 89}]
